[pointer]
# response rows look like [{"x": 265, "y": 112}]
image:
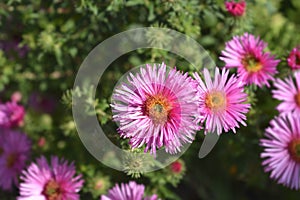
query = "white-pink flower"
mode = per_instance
[
  {"x": 282, "y": 150},
  {"x": 128, "y": 191},
  {"x": 222, "y": 101},
  {"x": 43, "y": 181},
  {"x": 246, "y": 53},
  {"x": 288, "y": 91},
  {"x": 156, "y": 108}
]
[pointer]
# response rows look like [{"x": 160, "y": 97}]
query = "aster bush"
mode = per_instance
[{"x": 150, "y": 101}]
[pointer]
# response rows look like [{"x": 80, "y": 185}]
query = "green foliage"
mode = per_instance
[
  {"x": 168, "y": 175},
  {"x": 92, "y": 106},
  {"x": 135, "y": 165},
  {"x": 96, "y": 182}
]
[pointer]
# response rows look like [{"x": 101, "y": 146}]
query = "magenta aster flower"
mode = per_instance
[
  {"x": 11, "y": 114},
  {"x": 294, "y": 58},
  {"x": 235, "y": 8},
  {"x": 130, "y": 191},
  {"x": 156, "y": 108},
  {"x": 289, "y": 92},
  {"x": 254, "y": 66},
  {"x": 222, "y": 101},
  {"x": 282, "y": 150},
  {"x": 50, "y": 182},
  {"x": 14, "y": 152}
]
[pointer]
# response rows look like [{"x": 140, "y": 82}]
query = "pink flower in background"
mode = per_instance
[
  {"x": 49, "y": 182},
  {"x": 288, "y": 91},
  {"x": 176, "y": 167},
  {"x": 16, "y": 97},
  {"x": 129, "y": 191},
  {"x": 294, "y": 58},
  {"x": 41, "y": 142},
  {"x": 11, "y": 114},
  {"x": 156, "y": 108},
  {"x": 14, "y": 152},
  {"x": 282, "y": 150},
  {"x": 254, "y": 66},
  {"x": 236, "y": 8},
  {"x": 222, "y": 101}
]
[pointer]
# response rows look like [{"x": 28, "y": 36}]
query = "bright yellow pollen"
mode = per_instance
[
  {"x": 158, "y": 108},
  {"x": 297, "y": 98},
  {"x": 294, "y": 150},
  {"x": 215, "y": 101},
  {"x": 251, "y": 64}
]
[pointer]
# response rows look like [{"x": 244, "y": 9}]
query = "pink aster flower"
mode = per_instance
[
  {"x": 289, "y": 92},
  {"x": 157, "y": 108},
  {"x": 14, "y": 152},
  {"x": 16, "y": 97},
  {"x": 222, "y": 101},
  {"x": 254, "y": 66},
  {"x": 294, "y": 58},
  {"x": 49, "y": 182},
  {"x": 11, "y": 114},
  {"x": 130, "y": 191},
  {"x": 282, "y": 150},
  {"x": 235, "y": 8}
]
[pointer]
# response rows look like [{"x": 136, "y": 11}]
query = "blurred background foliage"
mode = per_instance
[{"x": 43, "y": 43}]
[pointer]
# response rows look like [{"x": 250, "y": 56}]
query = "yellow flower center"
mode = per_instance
[
  {"x": 252, "y": 64},
  {"x": 158, "y": 108},
  {"x": 297, "y": 98},
  {"x": 294, "y": 150},
  {"x": 52, "y": 191},
  {"x": 216, "y": 101},
  {"x": 10, "y": 160}
]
